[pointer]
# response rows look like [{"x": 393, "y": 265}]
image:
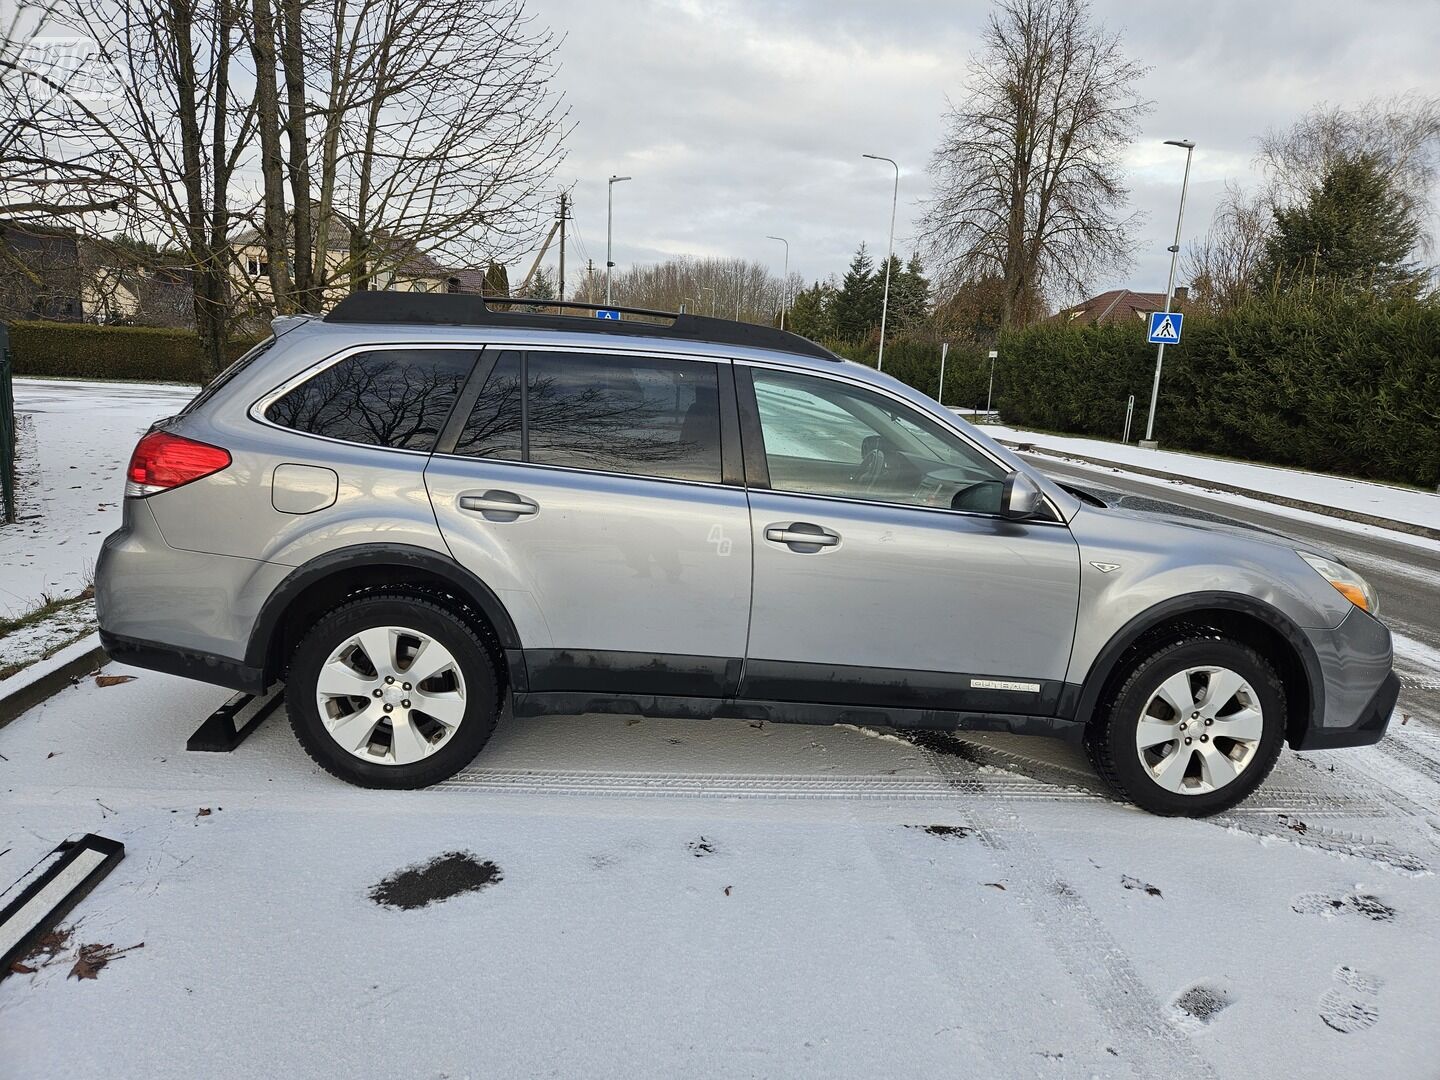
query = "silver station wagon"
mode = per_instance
[{"x": 421, "y": 508}]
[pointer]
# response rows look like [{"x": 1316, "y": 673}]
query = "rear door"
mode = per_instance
[
  {"x": 599, "y": 493},
  {"x": 884, "y": 574}
]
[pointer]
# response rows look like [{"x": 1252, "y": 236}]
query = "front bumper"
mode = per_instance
[
  {"x": 1369, "y": 728},
  {"x": 1359, "y": 685}
]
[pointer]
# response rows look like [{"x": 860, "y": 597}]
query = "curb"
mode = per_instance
[
  {"x": 45, "y": 678},
  {"x": 1231, "y": 489}
]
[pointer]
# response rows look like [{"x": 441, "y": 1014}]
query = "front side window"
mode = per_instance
[
  {"x": 398, "y": 398},
  {"x": 823, "y": 437},
  {"x": 644, "y": 416}
]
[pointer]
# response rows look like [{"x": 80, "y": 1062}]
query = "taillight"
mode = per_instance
[{"x": 162, "y": 461}]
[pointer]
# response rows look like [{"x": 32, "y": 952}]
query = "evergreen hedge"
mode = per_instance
[
  {"x": 88, "y": 351},
  {"x": 1347, "y": 385},
  {"x": 915, "y": 361}
]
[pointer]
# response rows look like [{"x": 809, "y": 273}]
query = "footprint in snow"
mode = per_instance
[
  {"x": 1371, "y": 907},
  {"x": 1195, "y": 1006},
  {"x": 1352, "y": 1004},
  {"x": 701, "y": 847}
]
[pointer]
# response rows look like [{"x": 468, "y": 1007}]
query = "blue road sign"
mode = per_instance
[
  {"x": 1165, "y": 327},
  {"x": 607, "y": 313}
]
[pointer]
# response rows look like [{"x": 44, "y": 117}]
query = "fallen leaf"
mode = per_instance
[
  {"x": 113, "y": 680},
  {"x": 49, "y": 755},
  {"x": 92, "y": 959},
  {"x": 22, "y": 969},
  {"x": 995, "y": 885},
  {"x": 204, "y": 811},
  {"x": 727, "y": 889},
  {"x": 1135, "y": 883}
]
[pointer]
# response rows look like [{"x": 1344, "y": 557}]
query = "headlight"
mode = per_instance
[{"x": 1350, "y": 584}]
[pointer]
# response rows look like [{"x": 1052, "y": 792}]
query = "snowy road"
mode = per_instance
[{"x": 663, "y": 898}]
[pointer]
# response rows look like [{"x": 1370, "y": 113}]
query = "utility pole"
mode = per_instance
[
  {"x": 1189, "y": 146},
  {"x": 610, "y": 230},
  {"x": 564, "y": 212},
  {"x": 944, "y": 348},
  {"x": 785, "y": 281},
  {"x": 889, "y": 254}
]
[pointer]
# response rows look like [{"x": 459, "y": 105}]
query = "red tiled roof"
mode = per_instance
[{"x": 1115, "y": 306}]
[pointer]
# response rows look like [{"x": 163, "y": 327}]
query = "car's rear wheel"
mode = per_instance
[
  {"x": 1193, "y": 727},
  {"x": 392, "y": 691}
]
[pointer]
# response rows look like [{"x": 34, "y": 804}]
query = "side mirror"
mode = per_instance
[{"x": 1019, "y": 497}]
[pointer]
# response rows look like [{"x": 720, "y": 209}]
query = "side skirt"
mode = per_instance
[{"x": 790, "y": 712}]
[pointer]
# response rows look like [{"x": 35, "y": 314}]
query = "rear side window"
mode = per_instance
[
  {"x": 640, "y": 415},
  {"x": 398, "y": 398},
  {"x": 493, "y": 428},
  {"x": 211, "y": 388}
]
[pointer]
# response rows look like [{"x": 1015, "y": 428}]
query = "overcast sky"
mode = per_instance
[{"x": 741, "y": 118}]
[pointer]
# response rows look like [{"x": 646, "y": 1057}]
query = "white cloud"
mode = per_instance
[{"x": 739, "y": 119}]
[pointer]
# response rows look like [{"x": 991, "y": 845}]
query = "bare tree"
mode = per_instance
[
  {"x": 407, "y": 128},
  {"x": 49, "y": 171},
  {"x": 1401, "y": 133},
  {"x": 1027, "y": 176},
  {"x": 701, "y": 286},
  {"x": 172, "y": 135},
  {"x": 1221, "y": 268}
]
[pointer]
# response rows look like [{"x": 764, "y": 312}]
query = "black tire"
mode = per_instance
[
  {"x": 1111, "y": 736},
  {"x": 474, "y": 660}
]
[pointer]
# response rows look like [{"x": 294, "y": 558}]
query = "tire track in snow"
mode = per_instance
[{"x": 1141, "y": 1028}]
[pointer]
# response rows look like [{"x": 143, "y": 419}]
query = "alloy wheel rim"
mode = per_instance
[
  {"x": 1200, "y": 730},
  {"x": 391, "y": 695}
]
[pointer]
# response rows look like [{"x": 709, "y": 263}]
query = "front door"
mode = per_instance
[
  {"x": 884, "y": 573},
  {"x": 595, "y": 504}
]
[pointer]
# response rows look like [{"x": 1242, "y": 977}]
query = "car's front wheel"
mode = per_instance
[
  {"x": 1192, "y": 729},
  {"x": 392, "y": 691}
]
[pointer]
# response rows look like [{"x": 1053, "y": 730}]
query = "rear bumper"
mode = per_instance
[{"x": 204, "y": 667}]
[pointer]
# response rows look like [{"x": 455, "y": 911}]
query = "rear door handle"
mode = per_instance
[
  {"x": 497, "y": 505},
  {"x": 802, "y": 536}
]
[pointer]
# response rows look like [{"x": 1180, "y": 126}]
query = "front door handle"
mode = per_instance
[
  {"x": 801, "y": 536},
  {"x": 497, "y": 505}
]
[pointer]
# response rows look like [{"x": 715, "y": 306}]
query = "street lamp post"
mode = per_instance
[
  {"x": 889, "y": 252},
  {"x": 707, "y": 288},
  {"x": 1169, "y": 288},
  {"x": 610, "y": 229},
  {"x": 785, "y": 281},
  {"x": 944, "y": 348},
  {"x": 990, "y": 393}
]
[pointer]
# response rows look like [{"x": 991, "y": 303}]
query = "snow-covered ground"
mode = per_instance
[
  {"x": 663, "y": 898},
  {"x": 1360, "y": 496},
  {"x": 76, "y": 439}
]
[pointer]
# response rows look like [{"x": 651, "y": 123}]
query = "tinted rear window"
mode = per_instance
[
  {"x": 398, "y": 398},
  {"x": 493, "y": 428},
  {"x": 646, "y": 416}
]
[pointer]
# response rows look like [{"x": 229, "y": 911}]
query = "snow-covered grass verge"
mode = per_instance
[
  {"x": 44, "y": 632},
  {"x": 76, "y": 439},
  {"x": 1342, "y": 493}
]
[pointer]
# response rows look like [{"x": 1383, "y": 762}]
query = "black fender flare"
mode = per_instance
[
  {"x": 467, "y": 584},
  {"x": 1194, "y": 603}
]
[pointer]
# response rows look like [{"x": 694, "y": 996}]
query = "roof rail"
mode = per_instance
[{"x": 470, "y": 309}]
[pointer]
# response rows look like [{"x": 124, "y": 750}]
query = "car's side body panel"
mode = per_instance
[{"x": 631, "y": 594}]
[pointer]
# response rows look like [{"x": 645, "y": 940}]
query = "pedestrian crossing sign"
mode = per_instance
[{"x": 1165, "y": 327}]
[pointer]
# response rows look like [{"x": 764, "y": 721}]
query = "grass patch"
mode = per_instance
[{"x": 49, "y": 605}]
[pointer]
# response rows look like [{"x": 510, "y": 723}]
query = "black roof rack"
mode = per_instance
[{"x": 470, "y": 309}]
